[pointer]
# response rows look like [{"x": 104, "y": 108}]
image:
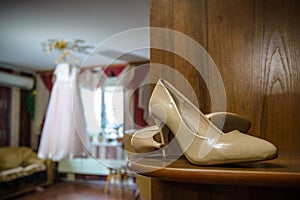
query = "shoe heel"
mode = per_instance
[
  {"x": 171, "y": 146},
  {"x": 164, "y": 131}
]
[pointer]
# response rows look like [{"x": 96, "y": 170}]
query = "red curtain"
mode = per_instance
[
  {"x": 47, "y": 80},
  {"x": 114, "y": 71}
]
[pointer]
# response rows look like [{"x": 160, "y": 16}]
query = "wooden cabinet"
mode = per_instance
[
  {"x": 273, "y": 179},
  {"x": 255, "y": 45}
]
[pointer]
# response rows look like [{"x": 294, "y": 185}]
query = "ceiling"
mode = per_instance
[{"x": 110, "y": 26}]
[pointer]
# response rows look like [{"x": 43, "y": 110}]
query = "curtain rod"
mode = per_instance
[
  {"x": 83, "y": 68},
  {"x": 103, "y": 66}
]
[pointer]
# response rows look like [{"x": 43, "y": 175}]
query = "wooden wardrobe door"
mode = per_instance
[
  {"x": 256, "y": 47},
  {"x": 5, "y": 96}
]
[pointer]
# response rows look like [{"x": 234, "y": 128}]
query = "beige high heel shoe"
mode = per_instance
[
  {"x": 143, "y": 140},
  {"x": 199, "y": 139}
]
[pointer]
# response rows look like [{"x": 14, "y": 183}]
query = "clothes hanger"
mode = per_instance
[{"x": 62, "y": 58}]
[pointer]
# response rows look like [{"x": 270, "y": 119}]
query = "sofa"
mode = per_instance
[{"x": 22, "y": 171}]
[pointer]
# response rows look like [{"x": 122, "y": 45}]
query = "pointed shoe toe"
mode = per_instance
[
  {"x": 265, "y": 150},
  {"x": 253, "y": 148},
  {"x": 236, "y": 147}
]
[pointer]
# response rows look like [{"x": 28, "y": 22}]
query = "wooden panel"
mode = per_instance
[
  {"x": 5, "y": 96},
  {"x": 25, "y": 121},
  {"x": 190, "y": 19},
  {"x": 278, "y": 40},
  {"x": 230, "y": 24},
  {"x": 175, "y": 20},
  {"x": 164, "y": 190},
  {"x": 273, "y": 179},
  {"x": 281, "y": 172},
  {"x": 256, "y": 46},
  {"x": 160, "y": 18}
]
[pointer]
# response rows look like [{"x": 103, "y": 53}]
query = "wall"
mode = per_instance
[{"x": 256, "y": 47}]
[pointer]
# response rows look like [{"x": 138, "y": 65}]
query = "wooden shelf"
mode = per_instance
[{"x": 282, "y": 171}]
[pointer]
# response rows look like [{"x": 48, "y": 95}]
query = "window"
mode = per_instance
[
  {"x": 91, "y": 100},
  {"x": 112, "y": 108},
  {"x": 104, "y": 111}
]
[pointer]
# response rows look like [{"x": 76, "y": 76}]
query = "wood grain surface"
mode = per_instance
[
  {"x": 256, "y": 47},
  {"x": 281, "y": 172}
]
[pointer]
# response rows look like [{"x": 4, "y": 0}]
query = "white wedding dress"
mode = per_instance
[{"x": 64, "y": 133}]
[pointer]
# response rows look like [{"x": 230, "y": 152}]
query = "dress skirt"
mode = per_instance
[{"x": 64, "y": 134}]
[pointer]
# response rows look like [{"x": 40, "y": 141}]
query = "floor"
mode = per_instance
[{"x": 78, "y": 191}]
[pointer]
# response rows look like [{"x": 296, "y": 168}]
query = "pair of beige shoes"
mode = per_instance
[{"x": 216, "y": 138}]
